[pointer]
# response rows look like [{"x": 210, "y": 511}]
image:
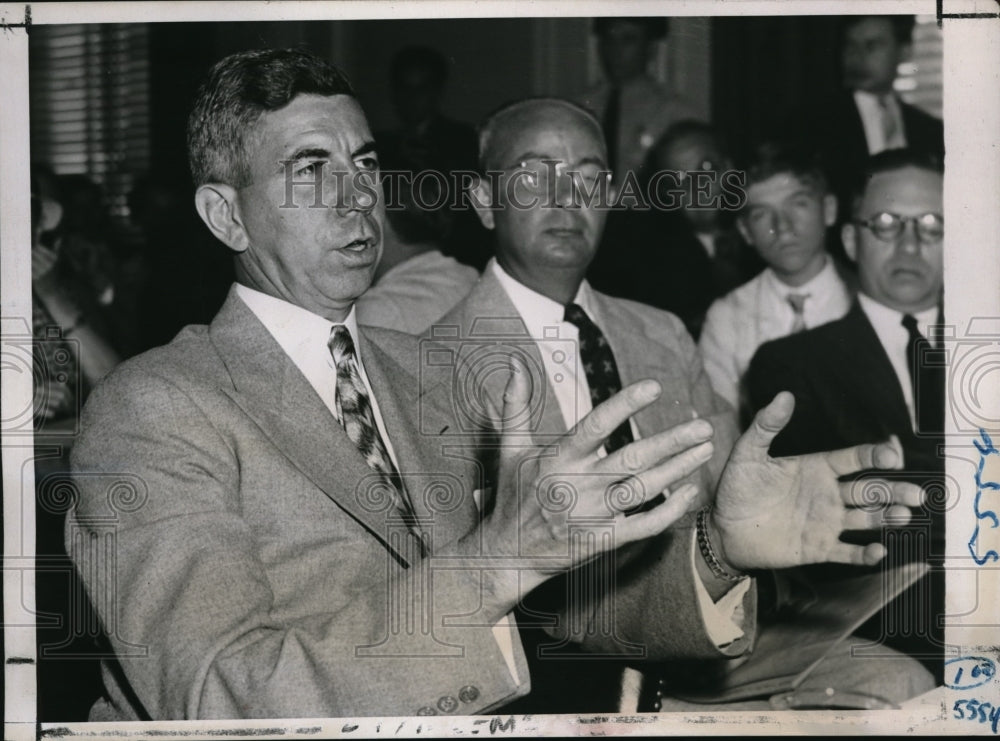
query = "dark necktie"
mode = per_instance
[
  {"x": 601, "y": 370},
  {"x": 612, "y": 114},
  {"x": 927, "y": 377},
  {"x": 354, "y": 412}
]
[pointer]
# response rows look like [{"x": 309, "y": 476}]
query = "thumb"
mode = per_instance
[
  {"x": 515, "y": 412},
  {"x": 767, "y": 423}
]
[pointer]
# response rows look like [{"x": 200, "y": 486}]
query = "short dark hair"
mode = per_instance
[
  {"x": 890, "y": 160},
  {"x": 419, "y": 57},
  {"x": 779, "y": 157},
  {"x": 902, "y": 25},
  {"x": 237, "y": 92},
  {"x": 656, "y": 27},
  {"x": 683, "y": 129}
]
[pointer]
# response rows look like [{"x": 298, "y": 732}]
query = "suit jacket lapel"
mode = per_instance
[
  {"x": 272, "y": 391},
  {"x": 437, "y": 479},
  {"x": 488, "y": 315},
  {"x": 876, "y": 380},
  {"x": 653, "y": 362}
]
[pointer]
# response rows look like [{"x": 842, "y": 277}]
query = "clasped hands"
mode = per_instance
[{"x": 768, "y": 512}]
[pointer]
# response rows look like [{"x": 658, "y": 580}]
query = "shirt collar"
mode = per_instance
[
  {"x": 821, "y": 284},
  {"x": 537, "y": 311},
  {"x": 294, "y": 328},
  {"x": 874, "y": 100},
  {"x": 886, "y": 320}
]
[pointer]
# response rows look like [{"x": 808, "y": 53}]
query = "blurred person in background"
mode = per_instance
[
  {"x": 868, "y": 116},
  {"x": 681, "y": 258},
  {"x": 633, "y": 107},
  {"x": 787, "y": 213},
  {"x": 428, "y": 140},
  {"x": 415, "y": 283}
]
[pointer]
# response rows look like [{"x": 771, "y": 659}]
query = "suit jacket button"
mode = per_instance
[
  {"x": 427, "y": 710},
  {"x": 447, "y": 704},
  {"x": 656, "y": 706},
  {"x": 469, "y": 693}
]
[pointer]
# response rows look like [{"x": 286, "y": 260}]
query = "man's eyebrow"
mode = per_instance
[
  {"x": 530, "y": 155},
  {"x": 366, "y": 148},
  {"x": 311, "y": 153}
]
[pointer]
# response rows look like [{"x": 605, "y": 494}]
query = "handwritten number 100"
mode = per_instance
[{"x": 975, "y": 710}]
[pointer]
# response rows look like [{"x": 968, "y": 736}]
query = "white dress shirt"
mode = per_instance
[
  {"x": 872, "y": 112},
  {"x": 304, "y": 336},
  {"x": 888, "y": 326},
  {"x": 757, "y": 312}
]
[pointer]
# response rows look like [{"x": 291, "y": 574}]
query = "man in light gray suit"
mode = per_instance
[
  {"x": 261, "y": 526},
  {"x": 637, "y": 605}
]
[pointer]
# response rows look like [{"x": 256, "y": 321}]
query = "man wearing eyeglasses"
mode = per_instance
[
  {"x": 684, "y": 594},
  {"x": 876, "y": 372}
]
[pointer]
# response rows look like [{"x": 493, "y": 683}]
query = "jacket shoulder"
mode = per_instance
[{"x": 651, "y": 321}]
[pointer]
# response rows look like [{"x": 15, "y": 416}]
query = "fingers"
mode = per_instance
[
  {"x": 658, "y": 519},
  {"x": 866, "y": 519},
  {"x": 590, "y": 432},
  {"x": 659, "y": 477},
  {"x": 859, "y": 555},
  {"x": 642, "y": 454},
  {"x": 872, "y": 492},
  {"x": 767, "y": 423},
  {"x": 887, "y": 455}
]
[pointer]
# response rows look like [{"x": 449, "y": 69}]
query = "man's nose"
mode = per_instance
[
  {"x": 360, "y": 192},
  {"x": 782, "y": 222},
  {"x": 908, "y": 242},
  {"x": 565, "y": 190}
]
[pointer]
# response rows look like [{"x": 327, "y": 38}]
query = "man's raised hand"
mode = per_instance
[
  {"x": 781, "y": 512},
  {"x": 549, "y": 497}
]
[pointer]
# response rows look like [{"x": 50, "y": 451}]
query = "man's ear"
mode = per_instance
[
  {"x": 849, "y": 236},
  {"x": 829, "y": 209},
  {"x": 218, "y": 208},
  {"x": 482, "y": 202},
  {"x": 744, "y": 232}
]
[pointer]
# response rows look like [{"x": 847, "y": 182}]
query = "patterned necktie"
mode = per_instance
[
  {"x": 601, "y": 370},
  {"x": 354, "y": 412},
  {"x": 798, "y": 303},
  {"x": 927, "y": 379},
  {"x": 612, "y": 113}
]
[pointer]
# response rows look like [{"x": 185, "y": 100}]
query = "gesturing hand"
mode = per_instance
[
  {"x": 553, "y": 496},
  {"x": 780, "y": 512}
]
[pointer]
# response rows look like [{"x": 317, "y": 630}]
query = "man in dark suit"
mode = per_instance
[
  {"x": 868, "y": 116},
  {"x": 644, "y": 604},
  {"x": 256, "y": 507},
  {"x": 874, "y": 373}
]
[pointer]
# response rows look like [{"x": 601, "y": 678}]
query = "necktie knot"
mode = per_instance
[
  {"x": 910, "y": 324},
  {"x": 798, "y": 303},
  {"x": 576, "y": 316},
  {"x": 341, "y": 344}
]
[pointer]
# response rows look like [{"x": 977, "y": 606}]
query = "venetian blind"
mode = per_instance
[{"x": 90, "y": 103}]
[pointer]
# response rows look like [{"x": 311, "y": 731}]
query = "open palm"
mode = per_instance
[{"x": 781, "y": 512}]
